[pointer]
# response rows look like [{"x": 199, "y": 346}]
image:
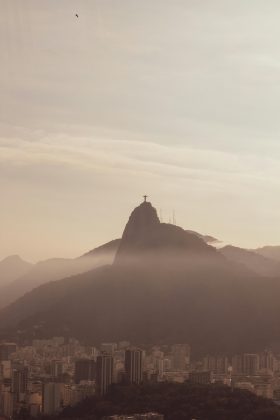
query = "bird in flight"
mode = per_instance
[{"x": 76, "y": 15}]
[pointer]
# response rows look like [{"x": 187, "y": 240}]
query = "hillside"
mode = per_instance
[
  {"x": 11, "y": 268},
  {"x": 257, "y": 263},
  {"x": 207, "y": 238},
  {"x": 107, "y": 251},
  {"x": 55, "y": 269},
  {"x": 177, "y": 402},
  {"x": 269, "y": 251},
  {"x": 19, "y": 277},
  {"x": 165, "y": 285}
]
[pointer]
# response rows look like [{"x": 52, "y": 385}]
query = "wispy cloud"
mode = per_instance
[{"x": 177, "y": 99}]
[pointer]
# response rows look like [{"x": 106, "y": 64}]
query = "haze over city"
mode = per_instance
[{"x": 179, "y": 100}]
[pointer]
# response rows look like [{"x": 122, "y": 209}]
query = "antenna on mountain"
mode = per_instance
[
  {"x": 145, "y": 198},
  {"x": 173, "y": 218}
]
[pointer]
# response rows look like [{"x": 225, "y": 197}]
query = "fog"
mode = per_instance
[{"x": 14, "y": 286}]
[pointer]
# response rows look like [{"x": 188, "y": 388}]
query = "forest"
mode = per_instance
[{"x": 176, "y": 401}]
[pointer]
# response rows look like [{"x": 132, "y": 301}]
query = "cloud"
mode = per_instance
[
  {"x": 179, "y": 100},
  {"x": 126, "y": 158}
]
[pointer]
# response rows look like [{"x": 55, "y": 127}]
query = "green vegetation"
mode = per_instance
[{"x": 177, "y": 402}]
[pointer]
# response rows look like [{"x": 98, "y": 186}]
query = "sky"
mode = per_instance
[{"x": 176, "y": 99}]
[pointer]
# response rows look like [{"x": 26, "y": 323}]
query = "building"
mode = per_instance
[
  {"x": 251, "y": 364},
  {"x": 7, "y": 404},
  {"x": 218, "y": 365},
  {"x": 35, "y": 403},
  {"x": 108, "y": 348},
  {"x": 85, "y": 370},
  {"x": 264, "y": 390},
  {"x": 145, "y": 416},
  {"x": 19, "y": 382},
  {"x": 5, "y": 369},
  {"x": 72, "y": 394},
  {"x": 134, "y": 366},
  {"x": 201, "y": 377},
  {"x": 56, "y": 368},
  {"x": 268, "y": 361},
  {"x": 180, "y": 356},
  {"x": 52, "y": 397},
  {"x": 237, "y": 364},
  {"x": 177, "y": 376},
  {"x": 122, "y": 345},
  {"x": 6, "y": 349},
  {"x": 248, "y": 386},
  {"x": 247, "y": 364},
  {"x": 104, "y": 373}
]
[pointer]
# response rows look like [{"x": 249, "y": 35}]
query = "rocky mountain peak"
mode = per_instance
[{"x": 141, "y": 220}]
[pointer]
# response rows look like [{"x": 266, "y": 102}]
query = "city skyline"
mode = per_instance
[{"x": 48, "y": 375}]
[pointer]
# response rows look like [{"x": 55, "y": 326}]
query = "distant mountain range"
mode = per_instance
[
  {"x": 272, "y": 252},
  {"x": 254, "y": 261},
  {"x": 11, "y": 268},
  {"x": 158, "y": 283},
  {"x": 18, "y": 277}
]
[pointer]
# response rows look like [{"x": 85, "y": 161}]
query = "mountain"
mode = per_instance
[
  {"x": 11, "y": 268},
  {"x": 207, "y": 238},
  {"x": 107, "y": 251},
  {"x": 55, "y": 269},
  {"x": 255, "y": 262},
  {"x": 145, "y": 237},
  {"x": 272, "y": 252},
  {"x": 165, "y": 285},
  {"x": 19, "y": 277}
]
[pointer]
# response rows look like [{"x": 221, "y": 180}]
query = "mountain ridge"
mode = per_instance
[
  {"x": 176, "y": 288},
  {"x": 11, "y": 268},
  {"x": 55, "y": 269},
  {"x": 254, "y": 261}
]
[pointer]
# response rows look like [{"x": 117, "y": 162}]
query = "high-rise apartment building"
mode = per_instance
[
  {"x": 7, "y": 404},
  {"x": 19, "y": 382},
  {"x": 134, "y": 366},
  {"x": 245, "y": 364},
  {"x": 251, "y": 364},
  {"x": 56, "y": 368},
  {"x": 180, "y": 356},
  {"x": 6, "y": 349},
  {"x": 237, "y": 364},
  {"x": 268, "y": 361},
  {"x": 85, "y": 370},
  {"x": 104, "y": 373},
  {"x": 216, "y": 364},
  {"x": 52, "y": 397}
]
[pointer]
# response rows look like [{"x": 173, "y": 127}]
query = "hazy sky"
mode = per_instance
[{"x": 176, "y": 99}]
